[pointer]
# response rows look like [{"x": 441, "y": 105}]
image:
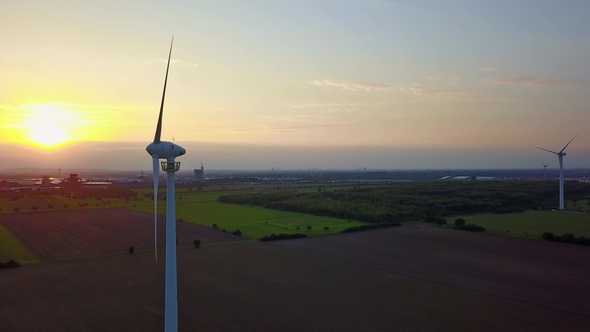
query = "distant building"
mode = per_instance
[
  {"x": 73, "y": 183},
  {"x": 199, "y": 174},
  {"x": 142, "y": 177}
]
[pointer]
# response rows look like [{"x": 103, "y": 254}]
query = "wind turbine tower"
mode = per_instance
[
  {"x": 167, "y": 150},
  {"x": 545, "y": 169},
  {"x": 560, "y": 156}
]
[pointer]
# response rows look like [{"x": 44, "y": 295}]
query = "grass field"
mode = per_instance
[
  {"x": 580, "y": 206},
  {"x": 12, "y": 248},
  {"x": 253, "y": 222},
  {"x": 531, "y": 223}
]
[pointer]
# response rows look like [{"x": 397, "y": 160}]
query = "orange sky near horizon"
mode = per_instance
[{"x": 315, "y": 74}]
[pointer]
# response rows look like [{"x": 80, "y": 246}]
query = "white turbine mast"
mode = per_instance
[
  {"x": 545, "y": 170},
  {"x": 169, "y": 151},
  {"x": 560, "y": 156}
]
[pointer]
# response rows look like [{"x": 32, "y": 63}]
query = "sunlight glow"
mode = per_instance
[{"x": 49, "y": 125}]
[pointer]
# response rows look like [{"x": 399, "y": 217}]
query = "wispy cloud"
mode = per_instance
[
  {"x": 173, "y": 62},
  {"x": 426, "y": 92},
  {"x": 354, "y": 86},
  {"x": 183, "y": 63},
  {"x": 448, "y": 79},
  {"x": 540, "y": 83},
  {"x": 334, "y": 107}
]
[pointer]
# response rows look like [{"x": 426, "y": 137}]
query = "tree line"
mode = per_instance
[{"x": 416, "y": 201}]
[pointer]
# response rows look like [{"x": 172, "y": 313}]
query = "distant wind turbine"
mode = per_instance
[
  {"x": 545, "y": 169},
  {"x": 560, "y": 156},
  {"x": 167, "y": 150}
]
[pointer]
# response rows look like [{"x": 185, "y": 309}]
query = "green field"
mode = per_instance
[
  {"x": 580, "y": 206},
  {"x": 12, "y": 248},
  {"x": 253, "y": 222},
  {"x": 531, "y": 223}
]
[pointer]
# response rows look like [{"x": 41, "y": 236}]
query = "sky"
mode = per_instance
[{"x": 296, "y": 84}]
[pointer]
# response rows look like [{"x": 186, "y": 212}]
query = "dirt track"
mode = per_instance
[
  {"x": 82, "y": 233},
  {"x": 399, "y": 279}
]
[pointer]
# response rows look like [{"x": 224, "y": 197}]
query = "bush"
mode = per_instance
[
  {"x": 326, "y": 228},
  {"x": 274, "y": 237},
  {"x": 50, "y": 206},
  {"x": 66, "y": 205},
  {"x": 436, "y": 220},
  {"x": 34, "y": 207},
  {"x": 470, "y": 227},
  {"x": 566, "y": 238},
  {"x": 16, "y": 209},
  {"x": 371, "y": 226},
  {"x": 237, "y": 232},
  {"x": 459, "y": 221},
  {"x": 508, "y": 210},
  {"x": 10, "y": 264},
  {"x": 131, "y": 250},
  {"x": 441, "y": 221},
  {"x": 197, "y": 243},
  {"x": 308, "y": 227},
  {"x": 214, "y": 226}
]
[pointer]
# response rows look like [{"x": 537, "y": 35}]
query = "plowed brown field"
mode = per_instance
[
  {"x": 80, "y": 233},
  {"x": 397, "y": 279}
]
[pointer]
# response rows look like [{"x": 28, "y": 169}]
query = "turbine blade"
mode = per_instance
[
  {"x": 568, "y": 144},
  {"x": 156, "y": 161},
  {"x": 159, "y": 125},
  {"x": 547, "y": 150}
]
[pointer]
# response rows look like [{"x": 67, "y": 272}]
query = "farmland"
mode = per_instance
[
  {"x": 253, "y": 222},
  {"x": 412, "y": 278},
  {"x": 81, "y": 227},
  {"x": 12, "y": 248},
  {"x": 532, "y": 223},
  {"x": 83, "y": 233}
]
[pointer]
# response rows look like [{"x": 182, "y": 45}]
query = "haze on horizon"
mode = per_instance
[{"x": 306, "y": 84}]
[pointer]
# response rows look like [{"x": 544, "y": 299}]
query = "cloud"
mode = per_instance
[
  {"x": 353, "y": 86},
  {"x": 449, "y": 79},
  {"x": 176, "y": 62},
  {"x": 426, "y": 92},
  {"x": 183, "y": 63},
  {"x": 334, "y": 107},
  {"x": 539, "y": 83}
]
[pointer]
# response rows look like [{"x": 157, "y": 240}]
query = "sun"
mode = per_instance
[{"x": 49, "y": 126}]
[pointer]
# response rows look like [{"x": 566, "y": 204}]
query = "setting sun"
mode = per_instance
[{"x": 49, "y": 125}]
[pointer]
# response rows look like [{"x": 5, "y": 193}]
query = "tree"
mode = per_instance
[
  {"x": 131, "y": 250},
  {"x": 326, "y": 228},
  {"x": 197, "y": 243},
  {"x": 459, "y": 221},
  {"x": 308, "y": 227}
]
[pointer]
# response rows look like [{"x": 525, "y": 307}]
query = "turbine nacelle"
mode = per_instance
[{"x": 165, "y": 150}]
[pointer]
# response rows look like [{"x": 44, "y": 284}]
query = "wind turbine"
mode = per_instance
[
  {"x": 560, "y": 156},
  {"x": 167, "y": 150},
  {"x": 545, "y": 169}
]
